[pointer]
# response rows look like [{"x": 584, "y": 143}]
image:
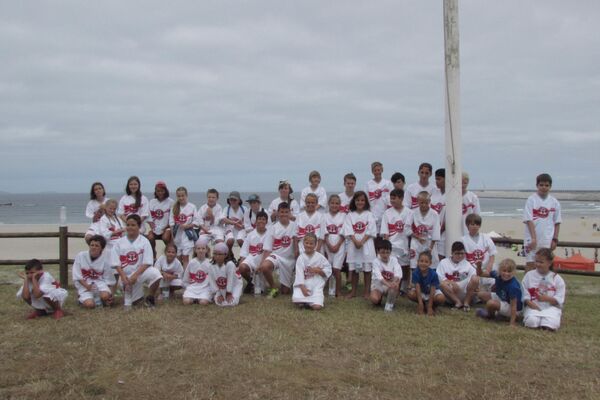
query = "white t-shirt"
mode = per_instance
[
  {"x": 345, "y": 202},
  {"x": 108, "y": 227},
  {"x": 427, "y": 226},
  {"x": 159, "y": 214},
  {"x": 479, "y": 249},
  {"x": 232, "y": 214},
  {"x": 449, "y": 271},
  {"x": 303, "y": 276},
  {"x": 91, "y": 212},
  {"x": 470, "y": 205},
  {"x": 279, "y": 240},
  {"x": 309, "y": 224},
  {"x": 132, "y": 255},
  {"x": 438, "y": 202},
  {"x": 196, "y": 274},
  {"x": 201, "y": 218},
  {"x": 536, "y": 284},
  {"x": 254, "y": 244},
  {"x": 332, "y": 227},
  {"x": 358, "y": 225},
  {"x": 224, "y": 278},
  {"x": 250, "y": 218},
  {"x": 544, "y": 213},
  {"x": 294, "y": 207},
  {"x": 412, "y": 191},
  {"x": 88, "y": 270},
  {"x": 386, "y": 271},
  {"x": 398, "y": 226},
  {"x": 173, "y": 267},
  {"x": 185, "y": 217},
  {"x": 379, "y": 196},
  {"x": 127, "y": 206},
  {"x": 321, "y": 197}
]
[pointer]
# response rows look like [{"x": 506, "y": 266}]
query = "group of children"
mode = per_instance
[{"x": 392, "y": 235}]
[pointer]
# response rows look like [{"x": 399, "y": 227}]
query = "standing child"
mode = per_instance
[
  {"x": 132, "y": 257},
  {"x": 470, "y": 201},
  {"x": 426, "y": 285},
  {"x": 348, "y": 193},
  {"x": 544, "y": 293},
  {"x": 285, "y": 196},
  {"x": 506, "y": 299},
  {"x": 425, "y": 230},
  {"x": 309, "y": 221},
  {"x": 181, "y": 221},
  {"x": 387, "y": 274},
  {"x": 438, "y": 203},
  {"x": 396, "y": 226},
  {"x": 92, "y": 274},
  {"x": 312, "y": 271},
  {"x": 252, "y": 255},
  {"x": 95, "y": 209},
  {"x": 279, "y": 252},
  {"x": 232, "y": 219},
  {"x": 251, "y": 213},
  {"x": 378, "y": 189},
  {"x": 480, "y": 250},
  {"x": 207, "y": 218},
  {"x": 335, "y": 243},
  {"x": 422, "y": 185},
  {"x": 41, "y": 291},
  {"x": 360, "y": 228},
  {"x": 314, "y": 178},
  {"x": 160, "y": 209},
  {"x": 398, "y": 180},
  {"x": 225, "y": 280},
  {"x": 171, "y": 270},
  {"x": 458, "y": 278},
  {"x": 134, "y": 202},
  {"x": 195, "y": 277},
  {"x": 542, "y": 218}
]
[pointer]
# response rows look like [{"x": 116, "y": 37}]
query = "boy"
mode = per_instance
[
  {"x": 309, "y": 221},
  {"x": 132, "y": 258},
  {"x": 251, "y": 213},
  {"x": 314, "y": 178},
  {"x": 425, "y": 285},
  {"x": 232, "y": 220},
  {"x": 507, "y": 297},
  {"x": 41, "y": 291},
  {"x": 480, "y": 250},
  {"x": 396, "y": 227},
  {"x": 398, "y": 180},
  {"x": 206, "y": 218},
  {"x": 470, "y": 202},
  {"x": 252, "y": 254},
  {"x": 542, "y": 218},
  {"x": 387, "y": 274},
  {"x": 348, "y": 193},
  {"x": 279, "y": 252},
  {"x": 425, "y": 229},
  {"x": 438, "y": 203},
  {"x": 378, "y": 190},
  {"x": 458, "y": 278},
  {"x": 92, "y": 274},
  {"x": 423, "y": 185}
]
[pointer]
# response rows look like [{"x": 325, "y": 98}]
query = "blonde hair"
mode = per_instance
[
  {"x": 376, "y": 164},
  {"x": 507, "y": 264}
]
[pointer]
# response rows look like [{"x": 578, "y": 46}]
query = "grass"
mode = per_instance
[{"x": 268, "y": 349}]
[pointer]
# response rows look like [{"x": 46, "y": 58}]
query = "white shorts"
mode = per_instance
[
  {"x": 85, "y": 294},
  {"x": 504, "y": 307},
  {"x": 148, "y": 277},
  {"x": 285, "y": 268},
  {"x": 425, "y": 296},
  {"x": 378, "y": 285},
  {"x": 234, "y": 234},
  {"x": 175, "y": 282},
  {"x": 402, "y": 256},
  {"x": 215, "y": 235},
  {"x": 548, "y": 318},
  {"x": 336, "y": 259},
  {"x": 316, "y": 297},
  {"x": 486, "y": 284},
  {"x": 253, "y": 262},
  {"x": 197, "y": 292},
  {"x": 462, "y": 288},
  {"x": 58, "y": 294},
  {"x": 360, "y": 267}
]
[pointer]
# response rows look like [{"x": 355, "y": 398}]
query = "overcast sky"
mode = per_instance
[{"x": 240, "y": 94}]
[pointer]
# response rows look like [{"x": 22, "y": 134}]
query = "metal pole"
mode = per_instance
[
  {"x": 452, "y": 125},
  {"x": 63, "y": 248}
]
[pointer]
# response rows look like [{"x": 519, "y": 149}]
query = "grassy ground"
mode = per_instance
[{"x": 268, "y": 349}]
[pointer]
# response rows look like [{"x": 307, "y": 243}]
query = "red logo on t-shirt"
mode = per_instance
[
  {"x": 254, "y": 250},
  {"x": 412, "y": 253},
  {"x": 359, "y": 227},
  {"x": 131, "y": 258},
  {"x": 375, "y": 195},
  {"x": 221, "y": 282},
  {"x": 541, "y": 212},
  {"x": 387, "y": 275},
  {"x": 91, "y": 274},
  {"x": 420, "y": 230},
  {"x": 157, "y": 214},
  {"x": 437, "y": 207},
  {"x": 181, "y": 219},
  {"x": 197, "y": 277},
  {"x": 332, "y": 229},
  {"x": 130, "y": 209},
  {"x": 476, "y": 256},
  {"x": 453, "y": 276}
]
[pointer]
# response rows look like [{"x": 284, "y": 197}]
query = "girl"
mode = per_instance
[
  {"x": 285, "y": 195},
  {"x": 360, "y": 228},
  {"x": 314, "y": 178},
  {"x": 110, "y": 226},
  {"x": 507, "y": 297},
  {"x": 160, "y": 208},
  {"x": 387, "y": 274},
  {"x": 92, "y": 274},
  {"x": 422, "y": 185},
  {"x": 171, "y": 271},
  {"x": 225, "y": 280},
  {"x": 133, "y": 202},
  {"x": 425, "y": 289},
  {"x": 195, "y": 277},
  {"x": 309, "y": 221},
  {"x": 312, "y": 271},
  {"x": 95, "y": 209},
  {"x": 182, "y": 226},
  {"x": 544, "y": 294},
  {"x": 335, "y": 244}
]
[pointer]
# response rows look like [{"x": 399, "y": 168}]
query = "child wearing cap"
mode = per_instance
[
  {"x": 232, "y": 220},
  {"x": 251, "y": 212},
  {"x": 285, "y": 196},
  {"x": 225, "y": 280}
]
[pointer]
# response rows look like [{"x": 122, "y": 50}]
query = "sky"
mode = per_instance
[{"x": 241, "y": 94}]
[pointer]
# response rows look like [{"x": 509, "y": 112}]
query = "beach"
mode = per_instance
[{"x": 579, "y": 229}]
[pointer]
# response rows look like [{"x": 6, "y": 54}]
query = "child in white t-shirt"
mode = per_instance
[
  {"x": 195, "y": 277},
  {"x": 207, "y": 217},
  {"x": 95, "y": 209},
  {"x": 378, "y": 190},
  {"x": 470, "y": 202},
  {"x": 458, "y": 279},
  {"x": 312, "y": 271},
  {"x": 314, "y": 178},
  {"x": 480, "y": 250},
  {"x": 387, "y": 274},
  {"x": 332, "y": 227},
  {"x": 225, "y": 280},
  {"x": 348, "y": 193},
  {"x": 181, "y": 221},
  {"x": 232, "y": 220},
  {"x": 425, "y": 230},
  {"x": 93, "y": 275},
  {"x": 422, "y": 185},
  {"x": 285, "y": 196},
  {"x": 160, "y": 211},
  {"x": 308, "y": 221},
  {"x": 171, "y": 270},
  {"x": 134, "y": 202},
  {"x": 41, "y": 291},
  {"x": 252, "y": 255}
]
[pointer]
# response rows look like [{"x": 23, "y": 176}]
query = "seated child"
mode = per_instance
[
  {"x": 92, "y": 274},
  {"x": 544, "y": 293},
  {"x": 426, "y": 285},
  {"x": 480, "y": 250},
  {"x": 232, "y": 220},
  {"x": 387, "y": 274},
  {"x": 41, "y": 291},
  {"x": 171, "y": 270},
  {"x": 252, "y": 255},
  {"x": 506, "y": 298},
  {"x": 195, "y": 277},
  {"x": 458, "y": 278},
  {"x": 312, "y": 271},
  {"x": 225, "y": 281}
]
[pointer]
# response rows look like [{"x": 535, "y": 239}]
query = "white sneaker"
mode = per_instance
[{"x": 389, "y": 307}]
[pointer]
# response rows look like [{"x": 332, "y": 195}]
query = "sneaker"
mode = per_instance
[
  {"x": 389, "y": 307},
  {"x": 36, "y": 314},
  {"x": 348, "y": 286},
  {"x": 273, "y": 292},
  {"x": 58, "y": 314},
  {"x": 150, "y": 302},
  {"x": 482, "y": 313}
]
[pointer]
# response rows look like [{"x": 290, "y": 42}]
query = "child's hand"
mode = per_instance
[
  {"x": 229, "y": 297},
  {"x": 132, "y": 280},
  {"x": 532, "y": 245},
  {"x": 37, "y": 275},
  {"x": 305, "y": 291},
  {"x": 22, "y": 275},
  {"x": 534, "y": 306},
  {"x": 545, "y": 298},
  {"x": 220, "y": 298}
]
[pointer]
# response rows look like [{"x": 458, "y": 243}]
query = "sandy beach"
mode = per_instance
[{"x": 572, "y": 229}]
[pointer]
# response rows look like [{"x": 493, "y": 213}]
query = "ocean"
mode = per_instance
[{"x": 44, "y": 208}]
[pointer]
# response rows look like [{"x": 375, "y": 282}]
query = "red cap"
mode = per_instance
[{"x": 161, "y": 184}]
